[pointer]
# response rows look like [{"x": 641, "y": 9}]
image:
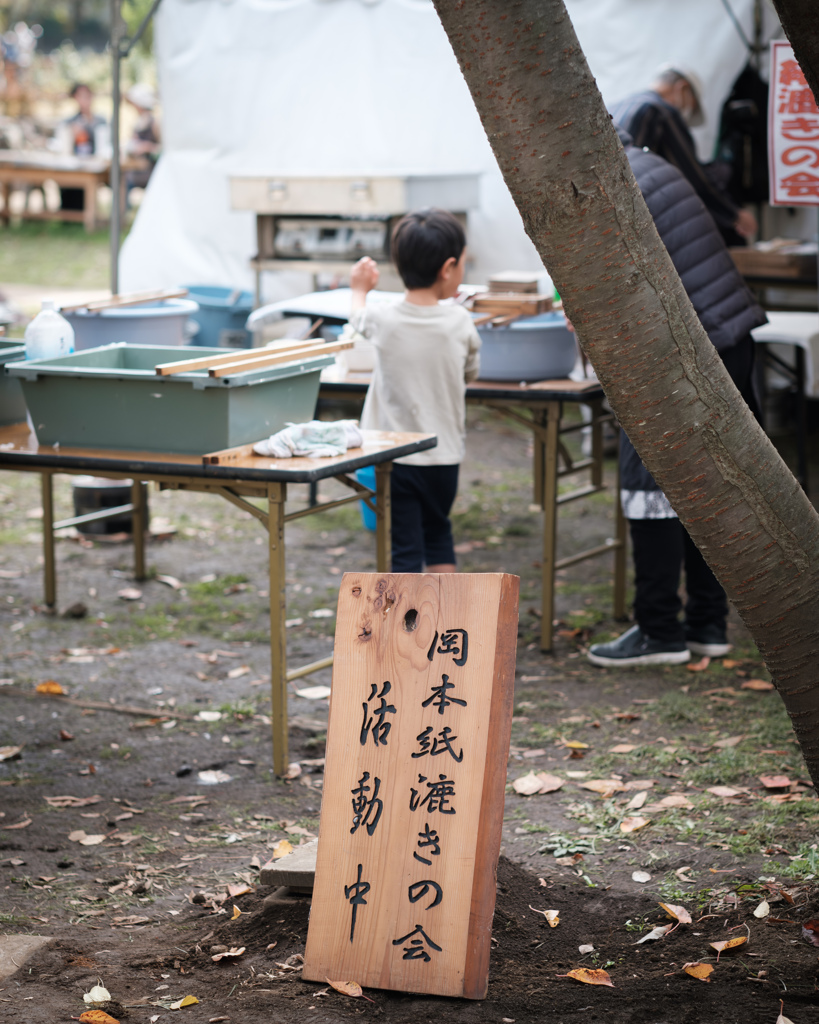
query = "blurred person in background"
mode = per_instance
[
  {"x": 84, "y": 134},
  {"x": 659, "y": 119},
  {"x": 145, "y": 142}
]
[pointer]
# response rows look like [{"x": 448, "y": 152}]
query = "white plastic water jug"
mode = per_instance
[{"x": 49, "y": 334}]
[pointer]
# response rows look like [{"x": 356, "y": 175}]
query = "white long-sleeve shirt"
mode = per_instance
[{"x": 424, "y": 357}]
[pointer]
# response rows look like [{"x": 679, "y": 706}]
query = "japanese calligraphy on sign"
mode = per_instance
[
  {"x": 793, "y": 119},
  {"x": 414, "y": 782}
]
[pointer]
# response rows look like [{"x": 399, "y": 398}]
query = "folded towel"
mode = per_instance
[{"x": 315, "y": 440}]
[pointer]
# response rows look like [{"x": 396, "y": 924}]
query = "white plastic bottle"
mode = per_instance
[{"x": 49, "y": 335}]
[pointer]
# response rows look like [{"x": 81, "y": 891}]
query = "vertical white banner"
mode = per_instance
[{"x": 793, "y": 132}]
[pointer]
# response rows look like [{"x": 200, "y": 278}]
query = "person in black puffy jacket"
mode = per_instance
[{"x": 661, "y": 546}]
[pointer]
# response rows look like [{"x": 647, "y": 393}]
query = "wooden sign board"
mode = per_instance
[{"x": 417, "y": 747}]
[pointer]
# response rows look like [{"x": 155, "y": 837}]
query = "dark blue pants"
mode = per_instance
[
  {"x": 422, "y": 497},
  {"x": 661, "y": 547}
]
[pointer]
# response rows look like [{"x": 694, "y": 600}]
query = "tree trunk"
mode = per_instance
[
  {"x": 566, "y": 169},
  {"x": 801, "y": 24}
]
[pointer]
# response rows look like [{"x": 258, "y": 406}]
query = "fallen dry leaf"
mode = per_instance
[
  {"x": 293, "y": 770},
  {"x": 49, "y": 686},
  {"x": 169, "y": 581},
  {"x": 810, "y": 932},
  {"x": 71, "y": 801},
  {"x": 130, "y": 920},
  {"x": 552, "y": 916},
  {"x": 65, "y": 736},
  {"x": 527, "y": 785},
  {"x": 782, "y": 1019},
  {"x": 236, "y": 913},
  {"x": 678, "y": 913},
  {"x": 640, "y": 876},
  {"x": 623, "y": 748},
  {"x": 575, "y": 745},
  {"x": 774, "y": 781},
  {"x": 96, "y": 1017},
  {"x": 637, "y": 801},
  {"x": 184, "y": 1001},
  {"x": 20, "y": 824},
  {"x": 587, "y": 948},
  {"x": 315, "y": 692},
  {"x": 605, "y": 787},
  {"x": 281, "y": 849},
  {"x": 720, "y": 947},
  {"x": 9, "y": 753},
  {"x": 697, "y": 970},
  {"x": 756, "y": 684},
  {"x": 81, "y": 837},
  {"x": 589, "y": 976},
  {"x": 97, "y": 994},
  {"x": 698, "y": 666},
  {"x": 633, "y": 823},
  {"x": 763, "y": 909},
  {"x": 549, "y": 783},
  {"x": 239, "y": 671},
  {"x": 656, "y": 933},
  {"x": 232, "y": 952},
  {"x": 238, "y": 890},
  {"x": 129, "y": 594},
  {"x": 730, "y": 741},
  {"x": 724, "y": 791},
  {"x": 346, "y": 988}
]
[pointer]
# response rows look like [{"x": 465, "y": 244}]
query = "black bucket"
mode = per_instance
[{"x": 94, "y": 494}]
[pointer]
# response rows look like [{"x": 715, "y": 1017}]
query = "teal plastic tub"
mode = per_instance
[
  {"x": 111, "y": 397},
  {"x": 12, "y": 403},
  {"x": 221, "y": 315},
  {"x": 366, "y": 476}
]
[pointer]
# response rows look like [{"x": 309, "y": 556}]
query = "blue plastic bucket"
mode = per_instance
[
  {"x": 221, "y": 315},
  {"x": 366, "y": 476}
]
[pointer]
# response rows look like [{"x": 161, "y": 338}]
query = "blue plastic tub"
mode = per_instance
[
  {"x": 221, "y": 315},
  {"x": 366, "y": 476},
  {"x": 151, "y": 323}
]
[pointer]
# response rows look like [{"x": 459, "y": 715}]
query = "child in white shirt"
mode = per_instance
[{"x": 426, "y": 351}]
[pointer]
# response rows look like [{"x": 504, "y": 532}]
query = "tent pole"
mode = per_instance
[{"x": 116, "y": 210}]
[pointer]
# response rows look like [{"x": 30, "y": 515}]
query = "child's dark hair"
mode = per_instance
[
  {"x": 421, "y": 244},
  {"x": 75, "y": 88}
]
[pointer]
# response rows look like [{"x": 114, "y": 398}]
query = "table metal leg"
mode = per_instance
[
  {"x": 90, "y": 209},
  {"x": 276, "y": 497},
  {"x": 383, "y": 520},
  {"x": 539, "y": 417},
  {"x": 138, "y": 527},
  {"x": 549, "y": 497},
  {"x": 49, "y": 571}
]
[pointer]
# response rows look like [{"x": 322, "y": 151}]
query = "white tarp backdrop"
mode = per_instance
[{"x": 364, "y": 87}]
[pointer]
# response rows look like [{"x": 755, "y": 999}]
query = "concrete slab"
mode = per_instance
[
  {"x": 297, "y": 870},
  {"x": 16, "y": 949}
]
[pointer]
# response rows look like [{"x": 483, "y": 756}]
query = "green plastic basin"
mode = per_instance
[{"x": 111, "y": 397}]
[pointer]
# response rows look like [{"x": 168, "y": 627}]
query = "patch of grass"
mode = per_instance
[
  {"x": 62, "y": 254},
  {"x": 214, "y": 588},
  {"x": 239, "y": 710}
]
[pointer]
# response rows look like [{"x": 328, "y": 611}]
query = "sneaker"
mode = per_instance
[
  {"x": 709, "y": 641},
  {"x": 635, "y": 648}
]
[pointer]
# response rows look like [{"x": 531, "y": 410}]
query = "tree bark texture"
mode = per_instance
[
  {"x": 800, "y": 19},
  {"x": 566, "y": 169}
]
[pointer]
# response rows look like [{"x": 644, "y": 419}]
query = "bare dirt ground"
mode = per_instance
[{"x": 165, "y": 807}]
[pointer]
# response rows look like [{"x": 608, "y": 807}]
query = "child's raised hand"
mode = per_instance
[{"x": 364, "y": 275}]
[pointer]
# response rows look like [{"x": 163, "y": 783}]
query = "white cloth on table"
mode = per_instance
[{"x": 316, "y": 440}]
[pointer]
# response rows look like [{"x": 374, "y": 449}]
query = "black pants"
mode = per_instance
[
  {"x": 422, "y": 497},
  {"x": 661, "y": 548}
]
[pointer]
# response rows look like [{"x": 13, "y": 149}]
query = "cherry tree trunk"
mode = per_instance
[
  {"x": 566, "y": 169},
  {"x": 800, "y": 19}
]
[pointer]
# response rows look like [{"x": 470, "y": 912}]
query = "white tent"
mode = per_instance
[{"x": 364, "y": 87}]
